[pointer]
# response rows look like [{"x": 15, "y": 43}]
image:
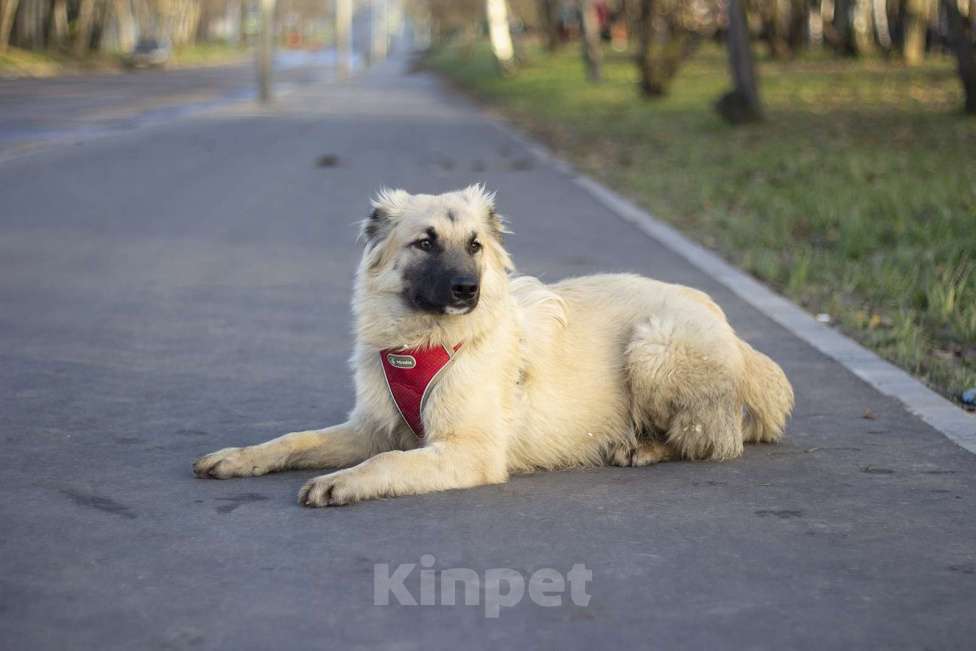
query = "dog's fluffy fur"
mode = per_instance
[{"x": 607, "y": 369}]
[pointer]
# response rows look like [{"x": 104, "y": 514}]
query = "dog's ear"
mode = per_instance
[
  {"x": 478, "y": 195},
  {"x": 375, "y": 227},
  {"x": 387, "y": 207},
  {"x": 498, "y": 224}
]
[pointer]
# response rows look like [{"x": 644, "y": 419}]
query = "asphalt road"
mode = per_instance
[
  {"x": 43, "y": 111},
  {"x": 168, "y": 291}
]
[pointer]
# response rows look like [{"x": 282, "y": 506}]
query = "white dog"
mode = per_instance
[{"x": 465, "y": 373}]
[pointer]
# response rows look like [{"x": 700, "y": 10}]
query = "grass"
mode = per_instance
[
  {"x": 208, "y": 54},
  {"x": 25, "y": 63},
  {"x": 855, "y": 198},
  {"x": 16, "y": 62}
]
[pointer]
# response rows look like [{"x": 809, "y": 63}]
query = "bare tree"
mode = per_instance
[
  {"x": 841, "y": 34},
  {"x": 784, "y": 24},
  {"x": 8, "y": 9},
  {"x": 265, "y": 46},
  {"x": 590, "y": 24},
  {"x": 379, "y": 34},
  {"x": 664, "y": 42},
  {"x": 961, "y": 36},
  {"x": 915, "y": 22},
  {"x": 126, "y": 24},
  {"x": 650, "y": 82},
  {"x": 549, "y": 17},
  {"x": 880, "y": 15},
  {"x": 85, "y": 22},
  {"x": 58, "y": 34},
  {"x": 852, "y": 29},
  {"x": 862, "y": 26},
  {"x": 500, "y": 34},
  {"x": 117, "y": 23},
  {"x": 741, "y": 104},
  {"x": 30, "y": 23}
]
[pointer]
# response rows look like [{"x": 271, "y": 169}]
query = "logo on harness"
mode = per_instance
[{"x": 401, "y": 361}]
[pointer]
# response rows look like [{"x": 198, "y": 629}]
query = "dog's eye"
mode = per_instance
[
  {"x": 474, "y": 246},
  {"x": 424, "y": 244}
]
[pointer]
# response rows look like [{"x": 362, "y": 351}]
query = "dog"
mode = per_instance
[{"x": 466, "y": 373}]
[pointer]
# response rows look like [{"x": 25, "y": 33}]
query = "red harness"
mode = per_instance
[{"x": 410, "y": 375}]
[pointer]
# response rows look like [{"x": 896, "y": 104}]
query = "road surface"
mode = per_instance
[
  {"x": 172, "y": 290},
  {"x": 43, "y": 111}
]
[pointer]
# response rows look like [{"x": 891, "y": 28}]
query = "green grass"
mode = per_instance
[
  {"x": 16, "y": 62},
  {"x": 208, "y": 54},
  {"x": 856, "y": 197},
  {"x": 25, "y": 63}
]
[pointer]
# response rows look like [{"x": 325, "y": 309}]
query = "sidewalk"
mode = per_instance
[{"x": 179, "y": 289}]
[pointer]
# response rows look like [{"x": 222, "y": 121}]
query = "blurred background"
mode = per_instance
[
  {"x": 826, "y": 146},
  {"x": 39, "y": 37}
]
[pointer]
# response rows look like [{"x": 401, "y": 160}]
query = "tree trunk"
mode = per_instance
[
  {"x": 590, "y": 24},
  {"x": 242, "y": 24},
  {"x": 343, "y": 38},
  {"x": 883, "y": 30},
  {"x": 741, "y": 104},
  {"x": 378, "y": 30},
  {"x": 776, "y": 19},
  {"x": 799, "y": 25},
  {"x": 651, "y": 84},
  {"x": 7, "y": 12},
  {"x": 660, "y": 51},
  {"x": 914, "y": 25},
  {"x": 85, "y": 22},
  {"x": 843, "y": 26},
  {"x": 549, "y": 15},
  {"x": 29, "y": 24},
  {"x": 187, "y": 19},
  {"x": 125, "y": 23},
  {"x": 863, "y": 27},
  {"x": 961, "y": 39},
  {"x": 58, "y": 35},
  {"x": 265, "y": 46},
  {"x": 500, "y": 35},
  {"x": 816, "y": 25}
]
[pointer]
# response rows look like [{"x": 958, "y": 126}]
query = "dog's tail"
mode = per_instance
[{"x": 768, "y": 397}]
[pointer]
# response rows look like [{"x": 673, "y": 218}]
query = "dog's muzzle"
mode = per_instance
[{"x": 464, "y": 295}]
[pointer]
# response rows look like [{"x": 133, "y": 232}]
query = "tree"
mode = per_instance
[
  {"x": 30, "y": 23},
  {"x": 784, "y": 25},
  {"x": 852, "y": 30},
  {"x": 881, "y": 26},
  {"x": 500, "y": 34},
  {"x": 58, "y": 34},
  {"x": 842, "y": 32},
  {"x": 549, "y": 17},
  {"x": 961, "y": 36},
  {"x": 741, "y": 104},
  {"x": 85, "y": 22},
  {"x": 8, "y": 9},
  {"x": 915, "y": 20},
  {"x": 590, "y": 25},
  {"x": 862, "y": 26},
  {"x": 668, "y": 32},
  {"x": 125, "y": 22}
]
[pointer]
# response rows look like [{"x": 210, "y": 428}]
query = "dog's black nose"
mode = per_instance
[{"x": 463, "y": 288}]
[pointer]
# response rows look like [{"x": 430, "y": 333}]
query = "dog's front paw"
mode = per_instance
[
  {"x": 644, "y": 453},
  {"x": 334, "y": 489},
  {"x": 227, "y": 463}
]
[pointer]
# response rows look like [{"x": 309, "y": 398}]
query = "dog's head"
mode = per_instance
[{"x": 439, "y": 256}]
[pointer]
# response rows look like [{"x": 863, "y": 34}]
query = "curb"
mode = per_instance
[{"x": 951, "y": 421}]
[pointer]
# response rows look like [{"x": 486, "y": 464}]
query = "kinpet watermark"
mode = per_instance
[{"x": 495, "y": 589}]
